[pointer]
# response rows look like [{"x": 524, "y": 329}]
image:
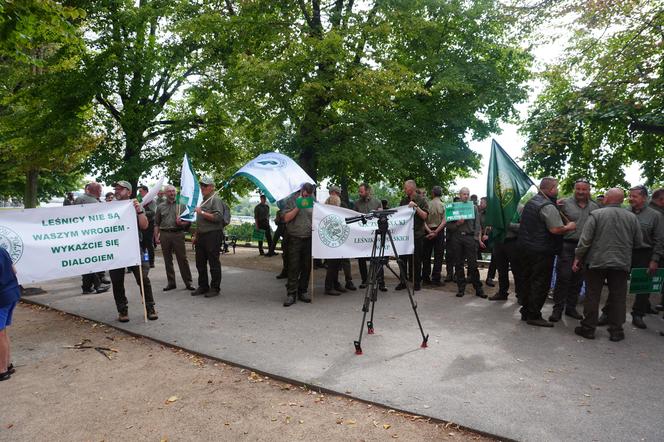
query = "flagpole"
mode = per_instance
[
  {"x": 145, "y": 309},
  {"x": 213, "y": 194},
  {"x": 312, "y": 277}
]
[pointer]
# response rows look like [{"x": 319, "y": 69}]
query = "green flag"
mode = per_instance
[{"x": 507, "y": 183}]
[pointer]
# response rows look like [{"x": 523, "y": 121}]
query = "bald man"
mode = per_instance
[
  {"x": 539, "y": 240},
  {"x": 605, "y": 247}
]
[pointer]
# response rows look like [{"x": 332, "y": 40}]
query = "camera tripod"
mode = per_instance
[{"x": 377, "y": 261}]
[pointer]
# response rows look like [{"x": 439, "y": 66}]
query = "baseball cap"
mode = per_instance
[
  {"x": 208, "y": 181},
  {"x": 334, "y": 189},
  {"x": 124, "y": 184}
]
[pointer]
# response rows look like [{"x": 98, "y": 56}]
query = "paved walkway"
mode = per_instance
[{"x": 484, "y": 369}]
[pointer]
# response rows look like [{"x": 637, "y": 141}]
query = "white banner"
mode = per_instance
[
  {"x": 275, "y": 174},
  {"x": 333, "y": 238},
  {"x": 190, "y": 191},
  {"x": 152, "y": 193},
  {"x": 59, "y": 242}
]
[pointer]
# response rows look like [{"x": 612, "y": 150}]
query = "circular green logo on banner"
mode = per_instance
[
  {"x": 269, "y": 162},
  {"x": 12, "y": 243},
  {"x": 333, "y": 231},
  {"x": 503, "y": 188}
]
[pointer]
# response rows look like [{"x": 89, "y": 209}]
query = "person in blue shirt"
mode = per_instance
[{"x": 9, "y": 296}]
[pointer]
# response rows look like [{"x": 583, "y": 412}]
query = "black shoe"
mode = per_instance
[
  {"x": 332, "y": 292},
  {"x": 4, "y": 376},
  {"x": 212, "y": 293},
  {"x": 480, "y": 293},
  {"x": 382, "y": 287},
  {"x": 190, "y": 287},
  {"x": 603, "y": 320},
  {"x": 650, "y": 310},
  {"x": 123, "y": 316},
  {"x": 448, "y": 279},
  {"x": 539, "y": 322},
  {"x": 637, "y": 321},
  {"x": 87, "y": 291},
  {"x": 290, "y": 300},
  {"x": 659, "y": 307},
  {"x": 304, "y": 297},
  {"x": 490, "y": 282},
  {"x": 102, "y": 289},
  {"x": 168, "y": 287},
  {"x": 555, "y": 316},
  {"x": 340, "y": 289},
  {"x": 499, "y": 297},
  {"x": 417, "y": 287},
  {"x": 260, "y": 252},
  {"x": 363, "y": 285},
  {"x": 401, "y": 286},
  {"x": 11, "y": 369},
  {"x": 617, "y": 335},
  {"x": 584, "y": 332},
  {"x": 152, "y": 266},
  {"x": 104, "y": 281},
  {"x": 282, "y": 275},
  {"x": 572, "y": 313},
  {"x": 461, "y": 294},
  {"x": 350, "y": 286},
  {"x": 152, "y": 314},
  {"x": 199, "y": 291},
  {"x": 426, "y": 282}
]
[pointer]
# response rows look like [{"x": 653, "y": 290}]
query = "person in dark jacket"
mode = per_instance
[
  {"x": 9, "y": 296},
  {"x": 541, "y": 226}
]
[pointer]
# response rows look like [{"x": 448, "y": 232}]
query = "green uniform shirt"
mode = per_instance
[
  {"x": 366, "y": 205},
  {"x": 469, "y": 227},
  {"x": 551, "y": 217},
  {"x": 150, "y": 210},
  {"x": 300, "y": 226},
  {"x": 436, "y": 213},
  {"x": 652, "y": 230},
  {"x": 578, "y": 214},
  {"x": 418, "y": 227},
  {"x": 86, "y": 198},
  {"x": 166, "y": 214},
  {"x": 221, "y": 216},
  {"x": 262, "y": 213}
]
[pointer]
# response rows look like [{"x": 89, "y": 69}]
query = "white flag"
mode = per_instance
[
  {"x": 190, "y": 191},
  {"x": 147, "y": 199},
  {"x": 333, "y": 238},
  {"x": 275, "y": 174}
]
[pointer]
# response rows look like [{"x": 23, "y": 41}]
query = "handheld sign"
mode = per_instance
[
  {"x": 258, "y": 235},
  {"x": 641, "y": 282},
  {"x": 304, "y": 203},
  {"x": 459, "y": 210}
]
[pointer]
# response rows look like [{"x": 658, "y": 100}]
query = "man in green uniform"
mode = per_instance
[
  {"x": 148, "y": 234},
  {"x": 281, "y": 233},
  {"x": 211, "y": 218},
  {"x": 657, "y": 203},
  {"x": 367, "y": 203},
  {"x": 169, "y": 232},
  {"x": 297, "y": 214},
  {"x": 123, "y": 192},
  {"x": 605, "y": 247},
  {"x": 92, "y": 282},
  {"x": 262, "y": 222},
  {"x": 434, "y": 240},
  {"x": 465, "y": 240},
  {"x": 414, "y": 261}
]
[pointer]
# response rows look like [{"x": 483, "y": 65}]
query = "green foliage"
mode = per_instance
[
  {"x": 243, "y": 231},
  {"x": 603, "y": 104}
]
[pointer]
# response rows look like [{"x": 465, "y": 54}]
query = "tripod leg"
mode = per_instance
[
  {"x": 369, "y": 296},
  {"x": 413, "y": 304}
]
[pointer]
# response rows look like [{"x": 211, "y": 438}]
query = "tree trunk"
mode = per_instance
[
  {"x": 30, "y": 199},
  {"x": 345, "y": 198}
]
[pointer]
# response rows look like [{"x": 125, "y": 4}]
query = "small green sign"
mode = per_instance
[
  {"x": 258, "y": 235},
  {"x": 641, "y": 282},
  {"x": 305, "y": 203},
  {"x": 459, "y": 210}
]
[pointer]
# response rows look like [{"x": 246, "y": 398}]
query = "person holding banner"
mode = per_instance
[
  {"x": 298, "y": 211},
  {"x": 123, "y": 191},
  {"x": 148, "y": 234},
  {"x": 169, "y": 232},
  {"x": 605, "y": 248},
  {"x": 10, "y": 293},
  {"x": 414, "y": 262},
  {"x": 211, "y": 218},
  {"x": 365, "y": 204},
  {"x": 465, "y": 239}
]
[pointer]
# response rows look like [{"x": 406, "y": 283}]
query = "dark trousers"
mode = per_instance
[
  {"x": 364, "y": 272},
  {"x": 414, "y": 262},
  {"x": 147, "y": 242},
  {"x": 505, "y": 256},
  {"x": 435, "y": 245},
  {"x": 279, "y": 233},
  {"x": 299, "y": 264},
  {"x": 537, "y": 269},
  {"x": 90, "y": 281},
  {"x": 449, "y": 256},
  {"x": 268, "y": 237},
  {"x": 332, "y": 273},
  {"x": 345, "y": 266},
  {"x": 208, "y": 246},
  {"x": 173, "y": 242},
  {"x": 465, "y": 250},
  {"x": 615, "y": 304},
  {"x": 568, "y": 283},
  {"x": 491, "y": 273},
  {"x": 117, "y": 279},
  {"x": 641, "y": 259},
  {"x": 284, "y": 254}
]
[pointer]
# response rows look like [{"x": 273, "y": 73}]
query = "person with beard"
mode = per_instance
[
  {"x": 367, "y": 203},
  {"x": 541, "y": 226},
  {"x": 414, "y": 262}
]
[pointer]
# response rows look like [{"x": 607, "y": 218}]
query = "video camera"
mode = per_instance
[{"x": 380, "y": 214}]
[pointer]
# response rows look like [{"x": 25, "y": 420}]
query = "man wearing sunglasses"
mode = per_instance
[{"x": 568, "y": 283}]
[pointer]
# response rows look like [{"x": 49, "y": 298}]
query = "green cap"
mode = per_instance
[
  {"x": 124, "y": 184},
  {"x": 208, "y": 181}
]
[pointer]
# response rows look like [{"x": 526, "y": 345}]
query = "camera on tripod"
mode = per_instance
[{"x": 380, "y": 214}]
